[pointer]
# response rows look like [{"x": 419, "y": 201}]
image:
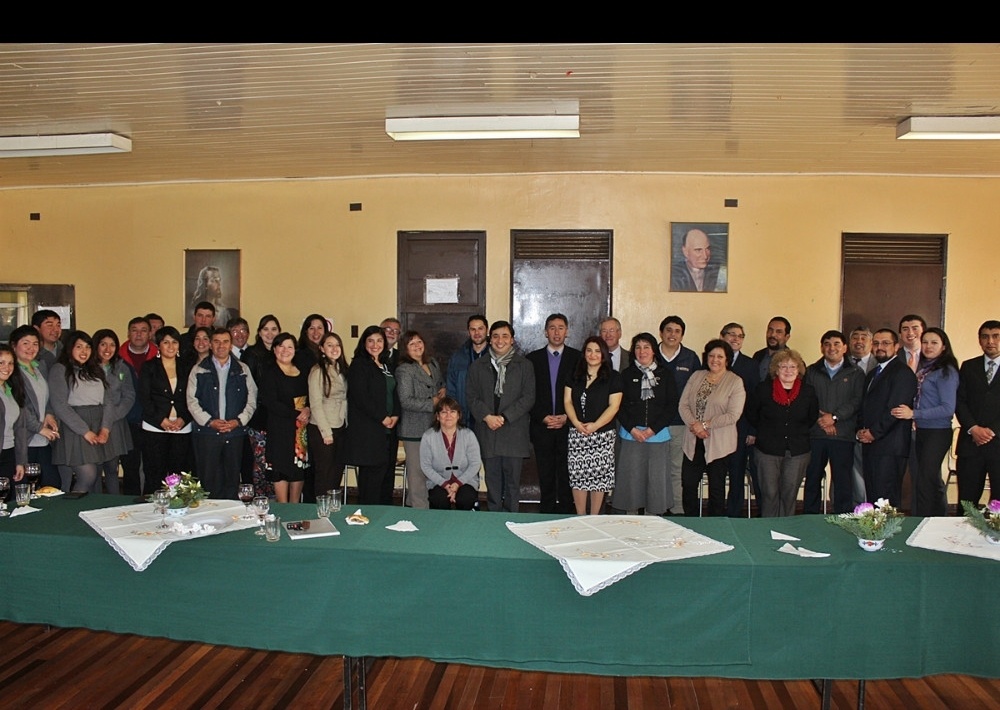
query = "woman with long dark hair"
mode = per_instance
[
  {"x": 258, "y": 355},
  {"x": 932, "y": 411},
  {"x": 13, "y": 434},
  {"x": 284, "y": 390},
  {"x": 592, "y": 399},
  {"x": 36, "y": 413},
  {"x": 118, "y": 400},
  {"x": 421, "y": 387},
  {"x": 328, "y": 418},
  {"x": 78, "y": 390},
  {"x": 372, "y": 412},
  {"x": 314, "y": 327},
  {"x": 166, "y": 421}
]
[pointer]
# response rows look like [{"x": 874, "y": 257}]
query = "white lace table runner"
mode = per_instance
[
  {"x": 132, "y": 532},
  {"x": 953, "y": 535},
  {"x": 598, "y": 550}
]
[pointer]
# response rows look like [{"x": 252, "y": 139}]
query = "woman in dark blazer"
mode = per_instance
[
  {"x": 166, "y": 421},
  {"x": 372, "y": 411},
  {"x": 783, "y": 408}
]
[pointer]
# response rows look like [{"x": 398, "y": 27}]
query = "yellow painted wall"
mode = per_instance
[{"x": 304, "y": 251}]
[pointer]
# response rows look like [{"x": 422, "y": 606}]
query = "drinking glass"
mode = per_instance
[
  {"x": 261, "y": 506},
  {"x": 161, "y": 501},
  {"x": 246, "y": 496},
  {"x": 33, "y": 472},
  {"x": 22, "y": 494},
  {"x": 334, "y": 500},
  {"x": 4, "y": 487},
  {"x": 323, "y": 505},
  {"x": 272, "y": 528}
]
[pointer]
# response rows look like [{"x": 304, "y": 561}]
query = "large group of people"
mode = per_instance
[{"x": 644, "y": 426}]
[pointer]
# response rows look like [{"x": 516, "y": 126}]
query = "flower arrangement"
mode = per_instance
[
  {"x": 870, "y": 522},
  {"x": 986, "y": 521},
  {"x": 185, "y": 490}
]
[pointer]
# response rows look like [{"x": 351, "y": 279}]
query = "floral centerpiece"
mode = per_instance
[
  {"x": 871, "y": 524},
  {"x": 986, "y": 521},
  {"x": 185, "y": 490}
]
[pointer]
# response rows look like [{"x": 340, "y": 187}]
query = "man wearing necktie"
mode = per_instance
[
  {"x": 885, "y": 439},
  {"x": 911, "y": 328},
  {"x": 978, "y": 411},
  {"x": 553, "y": 365}
]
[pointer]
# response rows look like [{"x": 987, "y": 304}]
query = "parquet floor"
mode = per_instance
[{"x": 43, "y": 667}]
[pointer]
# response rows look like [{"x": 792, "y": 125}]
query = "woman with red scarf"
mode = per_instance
[{"x": 782, "y": 408}]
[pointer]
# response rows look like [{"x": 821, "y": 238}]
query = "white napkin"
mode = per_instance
[
  {"x": 402, "y": 526},
  {"x": 24, "y": 511},
  {"x": 775, "y": 535},
  {"x": 791, "y": 549}
]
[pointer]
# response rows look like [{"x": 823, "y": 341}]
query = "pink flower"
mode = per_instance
[
  {"x": 172, "y": 480},
  {"x": 994, "y": 507},
  {"x": 863, "y": 508}
]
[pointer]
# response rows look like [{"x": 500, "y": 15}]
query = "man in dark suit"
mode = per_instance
[
  {"x": 861, "y": 357},
  {"x": 746, "y": 368},
  {"x": 885, "y": 439},
  {"x": 611, "y": 333},
  {"x": 697, "y": 272},
  {"x": 779, "y": 330},
  {"x": 553, "y": 367},
  {"x": 978, "y": 410},
  {"x": 391, "y": 328}
]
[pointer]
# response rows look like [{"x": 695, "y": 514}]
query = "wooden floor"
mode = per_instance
[{"x": 44, "y": 667}]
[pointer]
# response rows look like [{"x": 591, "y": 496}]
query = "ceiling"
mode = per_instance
[{"x": 264, "y": 111}]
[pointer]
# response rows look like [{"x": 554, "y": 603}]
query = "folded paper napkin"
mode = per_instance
[
  {"x": 402, "y": 526},
  {"x": 24, "y": 511},
  {"x": 791, "y": 549},
  {"x": 775, "y": 535}
]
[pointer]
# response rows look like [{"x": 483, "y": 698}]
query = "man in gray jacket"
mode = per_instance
[
  {"x": 840, "y": 386},
  {"x": 500, "y": 389}
]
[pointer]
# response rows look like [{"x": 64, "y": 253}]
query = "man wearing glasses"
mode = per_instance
[
  {"x": 746, "y": 368},
  {"x": 391, "y": 328}
]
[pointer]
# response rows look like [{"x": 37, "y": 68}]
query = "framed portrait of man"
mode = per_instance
[
  {"x": 699, "y": 256},
  {"x": 212, "y": 275}
]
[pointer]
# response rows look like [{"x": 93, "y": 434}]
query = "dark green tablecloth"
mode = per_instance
[{"x": 465, "y": 589}]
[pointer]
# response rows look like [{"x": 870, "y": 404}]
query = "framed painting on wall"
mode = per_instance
[
  {"x": 699, "y": 256},
  {"x": 212, "y": 275}
]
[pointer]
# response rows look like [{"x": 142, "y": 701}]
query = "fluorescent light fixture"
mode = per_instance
[
  {"x": 69, "y": 144},
  {"x": 967, "y": 128},
  {"x": 521, "y": 119}
]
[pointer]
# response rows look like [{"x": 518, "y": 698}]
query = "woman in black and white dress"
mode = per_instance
[{"x": 592, "y": 399}]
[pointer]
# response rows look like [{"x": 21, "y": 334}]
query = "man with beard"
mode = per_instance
[
  {"x": 501, "y": 390},
  {"x": 779, "y": 330},
  {"x": 885, "y": 439},
  {"x": 458, "y": 365}
]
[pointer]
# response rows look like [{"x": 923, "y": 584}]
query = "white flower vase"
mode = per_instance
[
  {"x": 870, "y": 545},
  {"x": 177, "y": 512}
]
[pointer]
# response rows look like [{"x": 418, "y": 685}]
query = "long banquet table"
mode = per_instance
[{"x": 748, "y": 613}]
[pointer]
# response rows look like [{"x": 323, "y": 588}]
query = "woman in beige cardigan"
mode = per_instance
[{"x": 710, "y": 406}]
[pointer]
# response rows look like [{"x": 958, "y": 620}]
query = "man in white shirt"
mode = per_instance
[{"x": 611, "y": 334}]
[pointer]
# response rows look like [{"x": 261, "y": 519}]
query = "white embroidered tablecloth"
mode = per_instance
[
  {"x": 953, "y": 535},
  {"x": 132, "y": 529},
  {"x": 598, "y": 550}
]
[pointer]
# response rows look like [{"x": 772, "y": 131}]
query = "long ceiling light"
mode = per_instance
[
  {"x": 962, "y": 128},
  {"x": 68, "y": 144},
  {"x": 523, "y": 119}
]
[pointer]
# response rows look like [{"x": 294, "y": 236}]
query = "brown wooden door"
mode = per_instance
[
  {"x": 441, "y": 281},
  {"x": 887, "y": 276}
]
